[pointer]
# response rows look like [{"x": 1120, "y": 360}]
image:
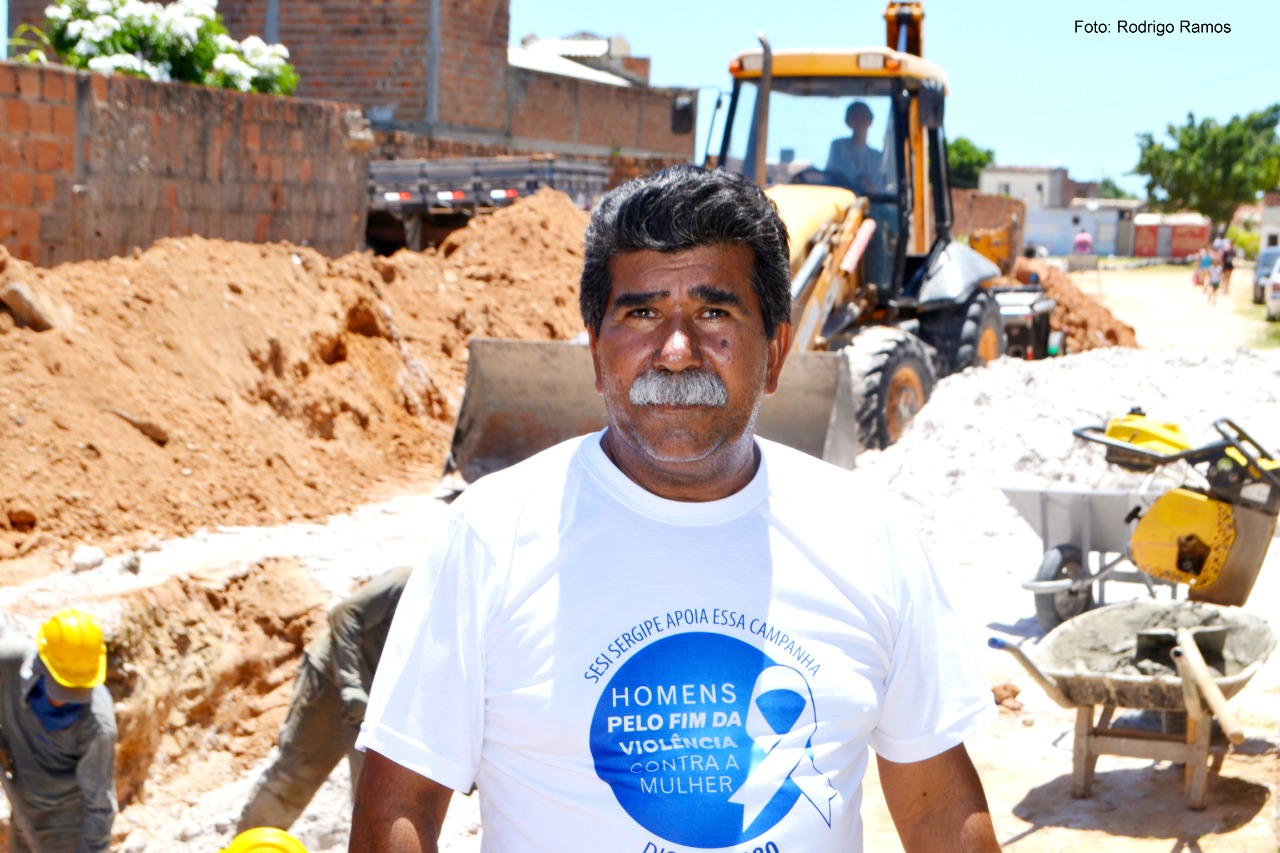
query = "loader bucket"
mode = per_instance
[{"x": 522, "y": 397}]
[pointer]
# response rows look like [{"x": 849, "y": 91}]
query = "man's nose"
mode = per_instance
[{"x": 679, "y": 346}]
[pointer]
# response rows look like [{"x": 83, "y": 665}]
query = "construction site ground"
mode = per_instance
[{"x": 248, "y": 432}]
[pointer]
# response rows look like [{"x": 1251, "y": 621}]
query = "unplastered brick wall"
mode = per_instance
[
  {"x": 377, "y": 53},
  {"x": 632, "y": 121},
  {"x": 971, "y": 209},
  {"x": 95, "y": 165},
  {"x": 369, "y": 52}
]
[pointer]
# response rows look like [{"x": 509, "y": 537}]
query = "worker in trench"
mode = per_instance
[
  {"x": 58, "y": 736},
  {"x": 673, "y": 634},
  {"x": 329, "y": 697}
]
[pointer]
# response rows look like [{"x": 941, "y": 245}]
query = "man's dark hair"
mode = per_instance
[
  {"x": 859, "y": 108},
  {"x": 681, "y": 208}
]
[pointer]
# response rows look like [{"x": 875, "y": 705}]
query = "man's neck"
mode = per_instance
[{"x": 724, "y": 473}]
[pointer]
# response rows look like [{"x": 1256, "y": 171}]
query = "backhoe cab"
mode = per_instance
[{"x": 850, "y": 145}]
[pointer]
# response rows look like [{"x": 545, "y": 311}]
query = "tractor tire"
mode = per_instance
[
  {"x": 1053, "y": 608},
  {"x": 893, "y": 376},
  {"x": 968, "y": 335}
]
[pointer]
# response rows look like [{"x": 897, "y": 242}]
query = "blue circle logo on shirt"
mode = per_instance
[{"x": 704, "y": 740}]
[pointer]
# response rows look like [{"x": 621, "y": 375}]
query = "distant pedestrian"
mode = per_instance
[
  {"x": 1228, "y": 264},
  {"x": 1204, "y": 260},
  {"x": 1083, "y": 244},
  {"x": 1215, "y": 281}
]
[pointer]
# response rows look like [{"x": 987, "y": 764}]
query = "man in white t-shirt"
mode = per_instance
[{"x": 672, "y": 635}]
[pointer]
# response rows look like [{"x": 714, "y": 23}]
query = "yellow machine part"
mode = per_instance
[
  {"x": 1148, "y": 434},
  {"x": 854, "y": 62},
  {"x": 806, "y": 210},
  {"x": 1185, "y": 537}
]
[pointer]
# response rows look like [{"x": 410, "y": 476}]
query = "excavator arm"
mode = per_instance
[{"x": 904, "y": 28}]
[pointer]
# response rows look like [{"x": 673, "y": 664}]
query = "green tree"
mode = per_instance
[
  {"x": 1108, "y": 188},
  {"x": 965, "y": 160},
  {"x": 1210, "y": 167}
]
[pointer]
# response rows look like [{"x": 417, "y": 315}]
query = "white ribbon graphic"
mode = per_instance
[{"x": 785, "y": 754}]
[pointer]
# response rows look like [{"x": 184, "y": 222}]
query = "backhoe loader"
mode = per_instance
[{"x": 884, "y": 301}]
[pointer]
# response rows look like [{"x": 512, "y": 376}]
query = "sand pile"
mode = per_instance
[{"x": 204, "y": 383}]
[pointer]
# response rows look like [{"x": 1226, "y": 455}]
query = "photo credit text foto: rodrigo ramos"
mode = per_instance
[{"x": 1152, "y": 27}]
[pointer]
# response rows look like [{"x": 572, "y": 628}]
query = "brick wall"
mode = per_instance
[
  {"x": 377, "y": 53},
  {"x": 971, "y": 209},
  {"x": 371, "y": 52},
  {"x": 593, "y": 118},
  {"x": 94, "y": 165}
]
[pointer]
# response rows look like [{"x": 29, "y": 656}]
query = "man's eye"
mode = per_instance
[{"x": 642, "y": 313}]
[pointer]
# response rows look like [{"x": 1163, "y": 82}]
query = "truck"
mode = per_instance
[
  {"x": 410, "y": 200},
  {"x": 884, "y": 300}
]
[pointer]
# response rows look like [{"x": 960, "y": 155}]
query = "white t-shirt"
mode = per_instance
[{"x": 617, "y": 671}]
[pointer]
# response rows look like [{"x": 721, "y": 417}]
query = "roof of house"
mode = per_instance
[
  {"x": 571, "y": 46},
  {"x": 550, "y": 63}
]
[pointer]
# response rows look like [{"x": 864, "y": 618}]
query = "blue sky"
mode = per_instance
[{"x": 1023, "y": 81}]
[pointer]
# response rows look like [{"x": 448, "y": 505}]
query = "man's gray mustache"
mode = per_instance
[{"x": 686, "y": 388}]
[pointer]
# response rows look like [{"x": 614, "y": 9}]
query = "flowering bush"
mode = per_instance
[{"x": 183, "y": 41}]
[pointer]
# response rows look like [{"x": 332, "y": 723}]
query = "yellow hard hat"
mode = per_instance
[
  {"x": 265, "y": 839},
  {"x": 71, "y": 647}
]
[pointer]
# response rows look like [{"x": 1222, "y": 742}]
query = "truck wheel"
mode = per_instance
[
  {"x": 892, "y": 376},
  {"x": 1053, "y": 608},
  {"x": 968, "y": 335}
]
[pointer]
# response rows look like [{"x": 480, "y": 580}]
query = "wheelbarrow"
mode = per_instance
[
  {"x": 1210, "y": 534},
  {"x": 1086, "y": 536},
  {"x": 1110, "y": 658}
]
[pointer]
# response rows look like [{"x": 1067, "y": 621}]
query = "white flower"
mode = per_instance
[
  {"x": 131, "y": 63},
  {"x": 225, "y": 43},
  {"x": 204, "y": 9},
  {"x": 138, "y": 13},
  {"x": 95, "y": 31},
  {"x": 58, "y": 12},
  {"x": 115, "y": 62},
  {"x": 100, "y": 7},
  {"x": 104, "y": 26},
  {"x": 267, "y": 58},
  {"x": 240, "y": 72},
  {"x": 180, "y": 25}
]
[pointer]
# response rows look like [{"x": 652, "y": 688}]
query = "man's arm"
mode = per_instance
[
  {"x": 938, "y": 804},
  {"x": 95, "y": 773},
  {"x": 374, "y": 604},
  {"x": 396, "y": 810}
]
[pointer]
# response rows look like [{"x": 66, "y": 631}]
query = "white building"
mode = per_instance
[{"x": 1034, "y": 186}]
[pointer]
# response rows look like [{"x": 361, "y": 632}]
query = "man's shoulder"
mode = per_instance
[
  {"x": 794, "y": 470},
  {"x": 540, "y": 476},
  {"x": 805, "y": 486}
]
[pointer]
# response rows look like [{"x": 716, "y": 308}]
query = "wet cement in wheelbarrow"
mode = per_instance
[{"x": 1091, "y": 657}]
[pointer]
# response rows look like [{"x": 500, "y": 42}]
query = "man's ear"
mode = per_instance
[
  {"x": 593, "y": 343},
  {"x": 779, "y": 348}
]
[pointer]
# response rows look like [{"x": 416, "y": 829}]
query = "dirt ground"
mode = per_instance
[{"x": 1171, "y": 311}]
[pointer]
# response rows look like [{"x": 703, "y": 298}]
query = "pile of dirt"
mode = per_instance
[
  {"x": 1086, "y": 322},
  {"x": 204, "y": 383}
]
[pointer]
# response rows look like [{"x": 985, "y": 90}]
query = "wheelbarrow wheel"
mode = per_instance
[{"x": 1053, "y": 608}]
